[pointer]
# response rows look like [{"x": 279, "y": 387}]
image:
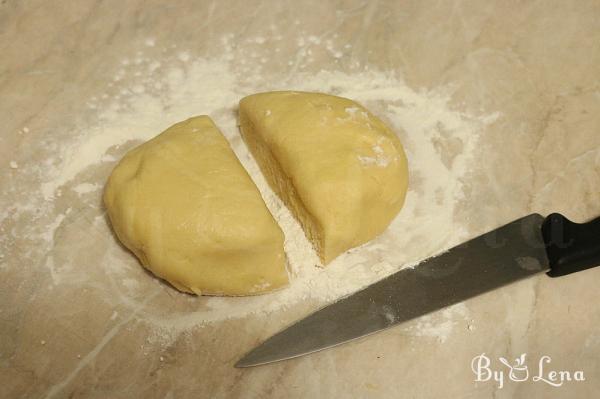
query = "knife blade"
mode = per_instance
[{"x": 508, "y": 254}]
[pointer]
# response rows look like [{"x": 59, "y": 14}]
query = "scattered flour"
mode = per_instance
[
  {"x": 85, "y": 188},
  {"x": 378, "y": 160},
  {"x": 432, "y": 326},
  {"x": 130, "y": 283},
  {"x": 352, "y": 111},
  {"x": 149, "y": 95}
]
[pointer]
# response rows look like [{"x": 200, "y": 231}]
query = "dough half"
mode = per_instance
[
  {"x": 340, "y": 169},
  {"x": 185, "y": 206}
]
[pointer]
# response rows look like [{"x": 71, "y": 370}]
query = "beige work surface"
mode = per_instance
[{"x": 537, "y": 63}]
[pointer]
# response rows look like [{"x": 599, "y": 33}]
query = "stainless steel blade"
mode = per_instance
[{"x": 492, "y": 260}]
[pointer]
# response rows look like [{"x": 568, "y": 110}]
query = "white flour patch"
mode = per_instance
[
  {"x": 49, "y": 233},
  {"x": 377, "y": 160},
  {"x": 148, "y": 95},
  {"x": 441, "y": 325},
  {"x": 130, "y": 283},
  {"x": 85, "y": 188}
]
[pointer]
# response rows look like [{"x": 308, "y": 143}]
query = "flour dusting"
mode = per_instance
[{"x": 147, "y": 95}]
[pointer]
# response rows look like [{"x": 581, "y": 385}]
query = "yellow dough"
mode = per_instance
[
  {"x": 340, "y": 170},
  {"x": 185, "y": 206}
]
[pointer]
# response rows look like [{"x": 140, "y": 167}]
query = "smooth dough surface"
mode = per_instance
[
  {"x": 341, "y": 170},
  {"x": 186, "y": 207}
]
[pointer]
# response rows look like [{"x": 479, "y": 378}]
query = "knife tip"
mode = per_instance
[
  {"x": 241, "y": 364},
  {"x": 250, "y": 361}
]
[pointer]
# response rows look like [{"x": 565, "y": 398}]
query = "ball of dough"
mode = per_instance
[
  {"x": 340, "y": 169},
  {"x": 185, "y": 206}
]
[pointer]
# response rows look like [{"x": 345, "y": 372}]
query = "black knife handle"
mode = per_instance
[{"x": 571, "y": 247}]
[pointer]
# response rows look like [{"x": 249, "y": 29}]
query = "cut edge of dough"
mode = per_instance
[{"x": 281, "y": 184}]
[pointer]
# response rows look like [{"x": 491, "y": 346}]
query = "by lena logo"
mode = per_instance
[{"x": 518, "y": 371}]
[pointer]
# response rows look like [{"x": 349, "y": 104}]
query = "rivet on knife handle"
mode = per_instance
[{"x": 571, "y": 247}]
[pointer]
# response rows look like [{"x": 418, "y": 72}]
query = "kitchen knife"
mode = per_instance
[{"x": 520, "y": 249}]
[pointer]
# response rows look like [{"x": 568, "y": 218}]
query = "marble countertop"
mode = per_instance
[{"x": 536, "y": 64}]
